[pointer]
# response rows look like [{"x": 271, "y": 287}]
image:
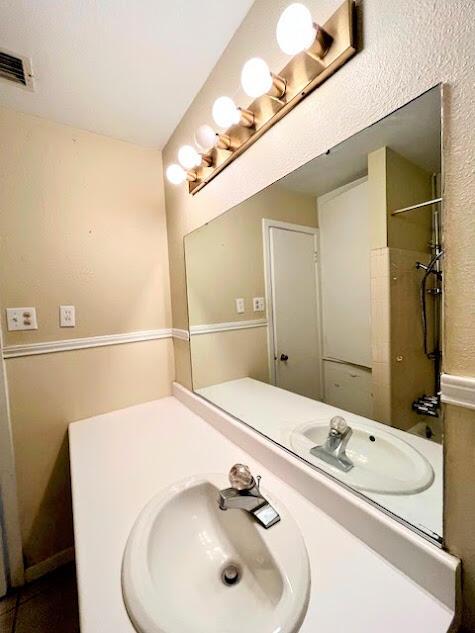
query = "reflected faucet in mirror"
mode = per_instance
[
  {"x": 335, "y": 312},
  {"x": 334, "y": 450}
]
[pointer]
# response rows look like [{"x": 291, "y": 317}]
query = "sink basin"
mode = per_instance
[
  {"x": 179, "y": 549},
  {"x": 383, "y": 463}
]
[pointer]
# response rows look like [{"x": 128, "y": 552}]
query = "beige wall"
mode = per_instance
[
  {"x": 221, "y": 356},
  {"x": 51, "y": 390},
  {"x": 396, "y": 183},
  {"x": 225, "y": 258},
  {"x": 82, "y": 222},
  {"x": 401, "y": 371},
  {"x": 405, "y": 51}
]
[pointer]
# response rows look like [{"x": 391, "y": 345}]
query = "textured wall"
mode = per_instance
[
  {"x": 82, "y": 222},
  {"x": 407, "y": 48}
]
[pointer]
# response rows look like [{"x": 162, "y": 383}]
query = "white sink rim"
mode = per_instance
[
  {"x": 292, "y": 562},
  {"x": 302, "y": 445}
]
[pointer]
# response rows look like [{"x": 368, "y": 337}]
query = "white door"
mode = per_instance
[
  {"x": 344, "y": 224},
  {"x": 295, "y": 312}
]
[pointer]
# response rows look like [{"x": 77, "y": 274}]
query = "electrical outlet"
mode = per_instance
[
  {"x": 21, "y": 319},
  {"x": 67, "y": 316},
  {"x": 258, "y": 304},
  {"x": 240, "y": 308}
]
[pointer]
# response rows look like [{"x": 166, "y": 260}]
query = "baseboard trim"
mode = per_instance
[
  {"x": 50, "y": 564},
  {"x": 458, "y": 390},
  {"x": 49, "y": 347},
  {"x": 211, "y": 328}
]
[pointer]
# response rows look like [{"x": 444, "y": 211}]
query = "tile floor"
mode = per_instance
[{"x": 47, "y": 605}]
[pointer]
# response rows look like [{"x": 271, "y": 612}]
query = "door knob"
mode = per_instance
[{"x": 284, "y": 357}]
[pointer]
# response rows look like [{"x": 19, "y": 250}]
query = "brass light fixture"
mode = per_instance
[{"x": 316, "y": 53}]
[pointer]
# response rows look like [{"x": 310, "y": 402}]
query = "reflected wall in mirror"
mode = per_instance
[{"x": 315, "y": 312}]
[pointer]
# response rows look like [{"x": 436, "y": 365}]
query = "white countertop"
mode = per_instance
[
  {"x": 276, "y": 412},
  {"x": 121, "y": 459}
]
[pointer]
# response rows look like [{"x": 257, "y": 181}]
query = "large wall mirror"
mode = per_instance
[{"x": 315, "y": 312}]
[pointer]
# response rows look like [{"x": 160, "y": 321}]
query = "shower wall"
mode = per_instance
[{"x": 401, "y": 371}]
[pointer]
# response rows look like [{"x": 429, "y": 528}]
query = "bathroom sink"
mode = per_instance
[
  {"x": 190, "y": 567},
  {"x": 383, "y": 463}
]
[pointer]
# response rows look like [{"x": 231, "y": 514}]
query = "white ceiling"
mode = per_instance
[
  {"x": 125, "y": 68},
  {"x": 413, "y": 131}
]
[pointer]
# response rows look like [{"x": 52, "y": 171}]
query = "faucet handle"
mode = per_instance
[
  {"x": 240, "y": 477},
  {"x": 338, "y": 424}
]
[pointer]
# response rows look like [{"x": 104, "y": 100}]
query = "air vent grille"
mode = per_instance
[{"x": 15, "y": 68}]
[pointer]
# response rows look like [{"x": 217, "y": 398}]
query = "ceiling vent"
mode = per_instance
[{"x": 16, "y": 69}]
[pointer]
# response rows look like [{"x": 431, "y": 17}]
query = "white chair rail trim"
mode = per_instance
[
  {"x": 49, "y": 347},
  {"x": 183, "y": 335},
  {"x": 210, "y": 328},
  {"x": 458, "y": 390}
]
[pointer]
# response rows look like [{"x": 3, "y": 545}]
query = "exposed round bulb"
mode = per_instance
[
  {"x": 256, "y": 78},
  {"x": 225, "y": 112},
  {"x": 295, "y": 31},
  {"x": 188, "y": 157},
  {"x": 176, "y": 174},
  {"x": 205, "y": 137}
]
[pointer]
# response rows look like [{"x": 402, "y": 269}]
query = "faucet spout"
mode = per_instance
[
  {"x": 244, "y": 494},
  {"x": 333, "y": 452}
]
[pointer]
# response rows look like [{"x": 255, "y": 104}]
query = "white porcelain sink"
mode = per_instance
[
  {"x": 176, "y": 554},
  {"x": 383, "y": 463}
]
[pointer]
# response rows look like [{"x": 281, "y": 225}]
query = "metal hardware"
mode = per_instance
[
  {"x": 231, "y": 575},
  {"x": 421, "y": 266},
  {"x": 333, "y": 452},
  {"x": 284, "y": 357},
  {"x": 245, "y": 494},
  {"x": 334, "y": 46},
  {"x": 321, "y": 45},
  {"x": 427, "y": 405},
  {"x": 247, "y": 118},
  {"x": 224, "y": 142},
  {"x": 417, "y": 206}
]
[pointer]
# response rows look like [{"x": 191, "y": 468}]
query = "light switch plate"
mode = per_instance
[
  {"x": 21, "y": 319},
  {"x": 240, "y": 308},
  {"x": 67, "y": 316},
  {"x": 258, "y": 304}
]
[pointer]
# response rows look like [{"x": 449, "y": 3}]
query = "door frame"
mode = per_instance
[
  {"x": 267, "y": 225},
  {"x": 12, "y": 542}
]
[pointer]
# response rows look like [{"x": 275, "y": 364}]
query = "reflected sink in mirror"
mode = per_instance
[
  {"x": 382, "y": 462},
  {"x": 193, "y": 568},
  {"x": 336, "y": 310}
]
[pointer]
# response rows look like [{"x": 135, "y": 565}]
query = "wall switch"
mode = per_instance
[
  {"x": 240, "y": 305},
  {"x": 21, "y": 319},
  {"x": 67, "y": 316},
  {"x": 258, "y": 304}
]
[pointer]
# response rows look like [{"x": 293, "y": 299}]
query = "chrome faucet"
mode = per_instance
[
  {"x": 334, "y": 450},
  {"x": 245, "y": 494}
]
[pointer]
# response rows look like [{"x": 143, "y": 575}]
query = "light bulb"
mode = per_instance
[
  {"x": 205, "y": 137},
  {"x": 188, "y": 157},
  {"x": 225, "y": 112},
  {"x": 256, "y": 78},
  {"x": 295, "y": 31},
  {"x": 176, "y": 174}
]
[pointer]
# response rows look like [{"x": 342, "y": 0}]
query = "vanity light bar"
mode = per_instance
[{"x": 318, "y": 52}]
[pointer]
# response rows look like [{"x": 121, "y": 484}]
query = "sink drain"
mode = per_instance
[{"x": 231, "y": 575}]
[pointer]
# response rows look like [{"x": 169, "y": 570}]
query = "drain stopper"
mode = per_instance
[{"x": 230, "y": 575}]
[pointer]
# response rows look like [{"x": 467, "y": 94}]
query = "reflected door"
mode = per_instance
[{"x": 295, "y": 313}]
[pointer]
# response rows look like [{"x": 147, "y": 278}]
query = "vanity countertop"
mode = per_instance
[{"x": 120, "y": 460}]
